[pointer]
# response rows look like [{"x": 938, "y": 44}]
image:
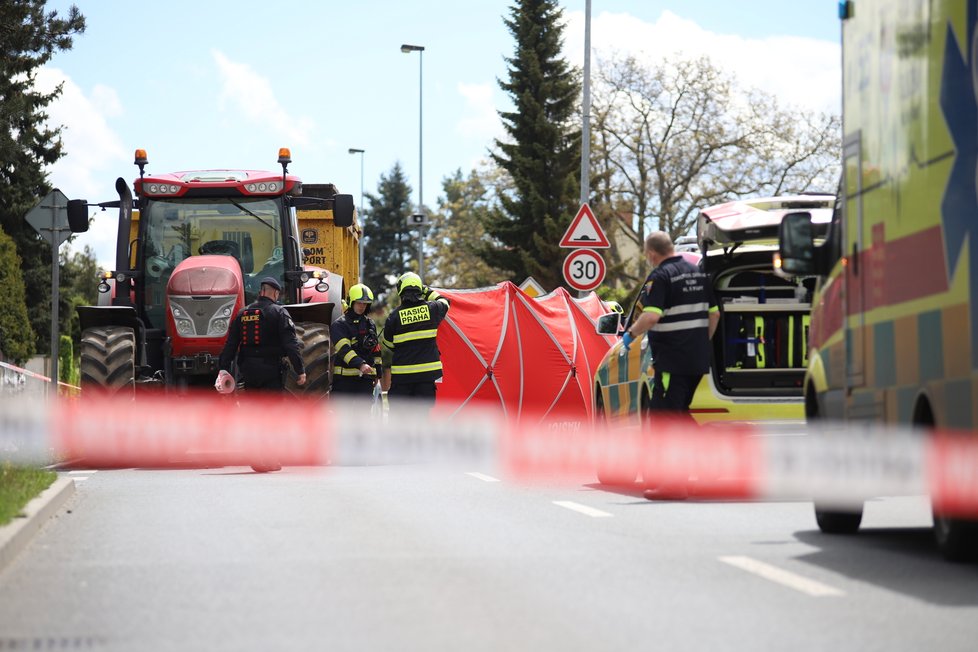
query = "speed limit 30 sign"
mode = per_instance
[{"x": 584, "y": 269}]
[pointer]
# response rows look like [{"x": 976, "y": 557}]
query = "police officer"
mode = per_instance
[
  {"x": 356, "y": 349},
  {"x": 410, "y": 332},
  {"x": 680, "y": 316},
  {"x": 260, "y": 336}
]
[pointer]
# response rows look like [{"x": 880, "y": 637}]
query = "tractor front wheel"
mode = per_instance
[
  {"x": 315, "y": 349},
  {"x": 108, "y": 361}
]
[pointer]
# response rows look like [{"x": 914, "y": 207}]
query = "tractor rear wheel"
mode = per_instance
[
  {"x": 315, "y": 349},
  {"x": 108, "y": 361}
]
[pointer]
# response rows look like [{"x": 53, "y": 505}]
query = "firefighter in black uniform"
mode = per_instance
[
  {"x": 356, "y": 349},
  {"x": 260, "y": 336},
  {"x": 410, "y": 332},
  {"x": 680, "y": 316}
]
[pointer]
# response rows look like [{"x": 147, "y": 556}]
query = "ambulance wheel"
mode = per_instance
[
  {"x": 108, "y": 361},
  {"x": 315, "y": 349},
  {"x": 957, "y": 539},
  {"x": 834, "y": 521},
  {"x": 610, "y": 471}
]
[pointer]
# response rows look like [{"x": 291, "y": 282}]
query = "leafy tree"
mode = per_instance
[
  {"x": 457, "y": 233},
  {"x": 388, "y": 247},
  {"x": 16, "y": 336},
  {"x": 78, "y": 287},
  {"x": 29, "y": 37},
  {"x": 681, "y": 135},
  {"x": 543, "y": 153}
]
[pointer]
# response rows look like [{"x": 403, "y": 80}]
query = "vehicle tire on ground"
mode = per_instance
[
  {"x": 836, "y": 521},
  {"x": 108, "y": 360},
  {"x": 611, "y": 469},
  {"x": 957, "y": 539},
  {"x": 315, "y": 349}
]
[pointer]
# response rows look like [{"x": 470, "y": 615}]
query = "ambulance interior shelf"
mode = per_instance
[{"x": 761, "y": 344}]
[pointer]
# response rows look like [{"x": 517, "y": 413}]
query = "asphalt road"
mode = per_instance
[{"x": 413, "y": 558}]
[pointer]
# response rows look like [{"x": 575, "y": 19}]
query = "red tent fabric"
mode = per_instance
[{"x": 533, "y": 357}]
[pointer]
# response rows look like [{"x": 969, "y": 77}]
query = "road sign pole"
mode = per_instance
[
  {"x": 55, "y": 283},
  {"x": 49, "y": 219}
]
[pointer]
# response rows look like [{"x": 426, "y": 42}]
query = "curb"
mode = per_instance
[{"x": 16, "y": 535}]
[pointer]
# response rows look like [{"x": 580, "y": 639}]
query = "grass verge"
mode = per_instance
[{"x": 18, "y": 486}]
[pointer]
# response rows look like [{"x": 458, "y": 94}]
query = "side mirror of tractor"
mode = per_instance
[
  {"x": 343, "y": 210},
  {"x": 78, "y": 215}
]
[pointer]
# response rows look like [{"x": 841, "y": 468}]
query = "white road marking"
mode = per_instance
[
  {"x": 79, "y": 478},
  {"x": 783, "y": 577},
  {"x": 482, "y": 476},
  {"x": 79, "y": 472},
  {"x": 583, "y": 509}
]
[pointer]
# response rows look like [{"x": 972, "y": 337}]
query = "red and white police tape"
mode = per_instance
[{"x": 839, "y": 466}]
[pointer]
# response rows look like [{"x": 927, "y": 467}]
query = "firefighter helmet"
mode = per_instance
[
  {"x": 409, "y": 280},
  {"x": 360, "y": 292}
]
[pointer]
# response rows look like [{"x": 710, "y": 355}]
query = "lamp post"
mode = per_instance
[
  {"x": 354, "y": 150},
  {"x": 408, "y": 49}
]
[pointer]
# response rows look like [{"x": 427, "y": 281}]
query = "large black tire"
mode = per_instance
[
  {"x": 108, "y": 361},
  {"x": 834, "y": 521},
  {"x": 957, "y": 539},
  {"x": 609, "y": 471},
  {"x": 316, "y": 350}
]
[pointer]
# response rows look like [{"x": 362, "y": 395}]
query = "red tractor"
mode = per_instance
[{"x": 191, "y": 249}]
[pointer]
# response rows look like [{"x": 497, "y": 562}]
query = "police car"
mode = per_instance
[{"x": 760, "y": 348}]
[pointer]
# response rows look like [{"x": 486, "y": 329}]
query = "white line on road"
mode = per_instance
[
  {"x": 783, "y": 577},
  {"x": 583, "y": 509},
  {"x": 482, "y": 476},
  {"x": 79, "y": 472}
]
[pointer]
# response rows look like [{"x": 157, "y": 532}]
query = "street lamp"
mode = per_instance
[
  {"x": 408, "y": 49},
  {"x": 354, "y": 150}
]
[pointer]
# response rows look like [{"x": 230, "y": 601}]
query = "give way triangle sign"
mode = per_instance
[{"x": 584, "y": 231}]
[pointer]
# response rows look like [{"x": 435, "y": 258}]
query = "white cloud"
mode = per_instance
[
  {"x": 245, "y": 91},
  {"x": 94, "y": 152},
  {"x": 799, "y": 71},
  {"x": 481, "y": 122}
]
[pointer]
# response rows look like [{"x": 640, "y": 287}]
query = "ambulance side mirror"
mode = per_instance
[
  {"x": 796, "y": 239},
  {"x": 608, "y": 324}
]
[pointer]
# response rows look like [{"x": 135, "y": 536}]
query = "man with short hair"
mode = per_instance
[
  {"x": 259, "y": 337},
  {"x": 680, "y": 316}
]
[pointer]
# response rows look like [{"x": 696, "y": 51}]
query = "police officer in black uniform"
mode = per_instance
[
  {"x": 680, "y": 316},
  {"x": 356, "y": 349},
  {"x": 410, "y": 333},
  {"x": 260, "y": 336}
]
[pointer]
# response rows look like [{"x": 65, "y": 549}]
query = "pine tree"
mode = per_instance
[
  {"x": 16, "y": 336},
  {"x": 29, "y": 37},
  {"x": 389, "y": 246},
  {"x": 543, "y": 152}
]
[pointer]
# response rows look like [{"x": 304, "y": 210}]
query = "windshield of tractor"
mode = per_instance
[{"x": 247, "y": 229}]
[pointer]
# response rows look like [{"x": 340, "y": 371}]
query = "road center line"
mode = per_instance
[
  {"x": 583, "y": 509},
  {"x": 482, "y": 476},
  {"x": 783, "y": 577}
]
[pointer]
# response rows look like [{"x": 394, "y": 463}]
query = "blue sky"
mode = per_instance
[{"x": 214, "y": 84}]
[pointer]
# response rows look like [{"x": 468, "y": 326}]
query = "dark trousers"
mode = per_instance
[
  {"x": 360, "y": 385},
  {"x": 673, "y": 392},
  {"x": 402, "y": 393},
  {"x": 261, "y": 374}
]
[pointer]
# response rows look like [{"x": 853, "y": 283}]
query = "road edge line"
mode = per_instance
[{"x": 16, "y": 535}]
